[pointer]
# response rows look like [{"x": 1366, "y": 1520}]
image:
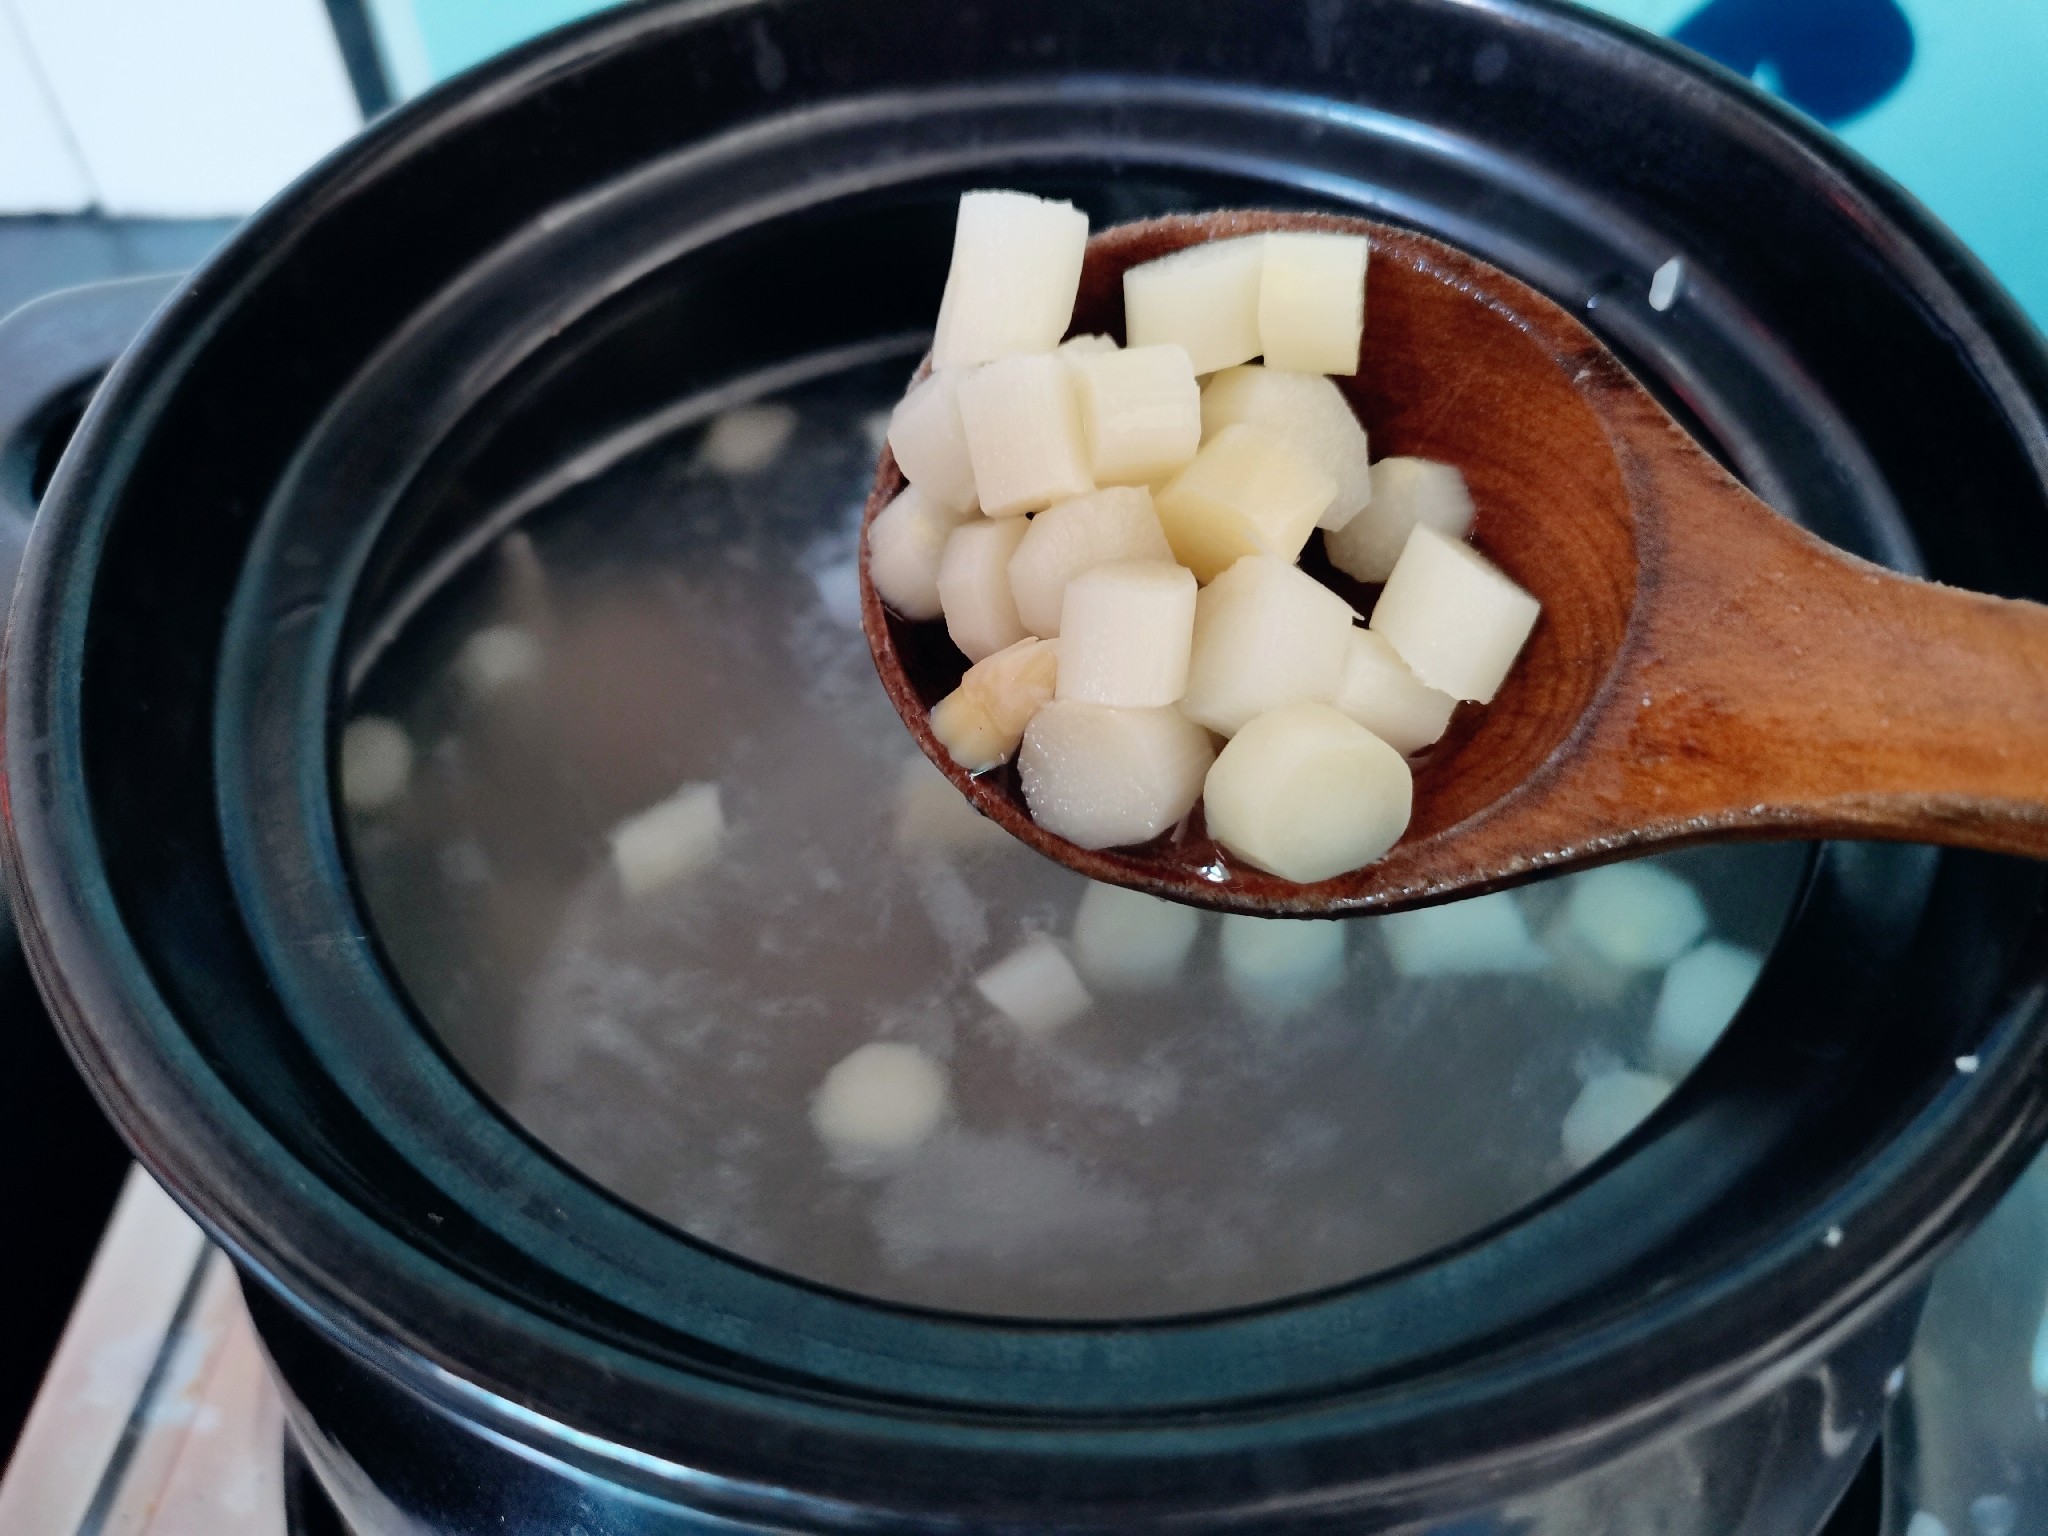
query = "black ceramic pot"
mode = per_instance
[{"x": 548, "y": 255}]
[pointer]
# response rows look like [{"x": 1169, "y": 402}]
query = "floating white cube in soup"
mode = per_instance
[
  {"x": 1125, "y": 632},
  {"x": 748, "y": 439},
  {"x": 1310, "y": 412},
  {"x": 1102, "y": 777},
  {"x": 1606, "y": 1111},
  {"x": 877, "y": 1104},
  {"x": 1380, "y": 692},
  {"x": 1204, "y": 300},
  {"x": 497, "y": 657},
  {"x": 1453, "y": 616},
  {"x": 1701, "y": 995},
  {"x": 1127, "y": 941},
  {"x": 1035, "y": 987},
  {"x": 974, "y": 586},
  {"x": 1312, "y": 301},
  {"x": 930, "y": 443},
  {"x": 1249, "y": 491},
  {"x": 1141, "y": 412},
  {"x": 1023, "y": 435},
  {"x": 1266, "y": 633},
  {"x": 906, "y": 542},
  {"x": 1483, "y": 936},
  {"x": 1406, "y": 493},
  {"x": 1069, "y": 537},
  {"x": 1278, "y": 966},
  {"x": 934, "y": 818},
  {"x": 981, "y": 722},
  {"x": 1016, "y": 269},
  {"x": 1635, "y": 917},
  {"x": 1305, "y": 793},
  {"x": 376, "y": 763},
  {"x": 670, "y": 839}
]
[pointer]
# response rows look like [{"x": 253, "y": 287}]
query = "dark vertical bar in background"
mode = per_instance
[{"x": 359, "y": 54}]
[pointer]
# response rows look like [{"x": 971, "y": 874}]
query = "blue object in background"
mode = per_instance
[{"x": 1834, "y": 59}]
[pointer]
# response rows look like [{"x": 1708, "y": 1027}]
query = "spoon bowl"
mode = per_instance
[{"x": 1704, "y": 669}]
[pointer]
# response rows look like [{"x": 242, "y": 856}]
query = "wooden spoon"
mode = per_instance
[{"x": 1704, "y": 669}]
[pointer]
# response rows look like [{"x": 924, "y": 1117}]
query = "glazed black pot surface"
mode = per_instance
[{"x": 545, "y": 256}]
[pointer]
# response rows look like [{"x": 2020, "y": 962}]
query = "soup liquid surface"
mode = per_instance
[{"x": 1227, "y": 1138}]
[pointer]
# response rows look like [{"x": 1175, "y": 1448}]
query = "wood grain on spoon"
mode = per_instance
[{"x": 1704, "y": 669}]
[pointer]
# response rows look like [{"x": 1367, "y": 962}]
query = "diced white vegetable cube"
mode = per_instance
[
  {"x": 747, "y": 440},
  {"x": 1310, "y": 412},
  {"x": 1383, "y": 695},
  {"x": 877, "y": 1104},
  {"x": 1125, "y": 633},
  {"x": 1024, "y": 435},
  {"x": 1312, "y": 301},
  {"x": 1266, "y": 633},
  {"x": 1482, "y": 936},
  {"x": 1104, "y": 778},
  {"x": 1070, "y": 536},
  {"x": 1279, "y": 966},
  {"x": 1204, "y": 300},
  {"x": 1405, "y": 493},
  {"x": 1249, "y": 491},
  {"x": 1305, "y": 793},
  {"x": 1141, "y": 413},
  {"x": 974, "y": 586},
  {"x": 906, "y": 541},
  {"x": 981, "y": 722},
  {"x": 1089, "y": 345},
  {"x": 670, "y": 839},
  {"x": 496, "y": 657},
  {"x": 1636, "y": 917},
  {"x": 376, "y": 763},
  {"x": 1126, "y": 941},
  {"x": 1035, "y": 987},
  {"x": 930, "y": 444},
  {"x": 1701, "y": 994},
  {"x": 1607, "y": 1109},
  {"x": 932, "y": 817},
  {"x": 1453, "y": 616},
  {"x": 1016, "y": 269}
]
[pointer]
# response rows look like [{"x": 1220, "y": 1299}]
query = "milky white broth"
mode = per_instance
[{"x": 1164, "y": 1152}]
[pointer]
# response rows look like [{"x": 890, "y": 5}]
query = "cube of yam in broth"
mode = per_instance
[
  {"x": 1070, "y": 536},
  {"x": 1204, "y": 300},
  {"x": 981, "y": 722},
  {"x": 1125, "y": 634},
  {"x": 1016, "y": 269},
  {"x": 1405, "y": 493},
  {"x": 1102, "y": 777},
  {"x": 1306, "y": 793},
  {"x": 1276, "y": 967},
  {"x": 1024, "y": 435},
  {"x": 1383, "y": 695},
  {"x": 930, "y": 444},
  {"x": 1266, "y": 633},
  {"x": 1312, "y": 301},
  {"x": 1453, "y": 616},
  {"x": 1310, "y": 412},
  {"x": 1126, "y": 941},
  {"x": 1035, "y": 987},
  {"x": 1249, "y": 491},
  {"x": 974, "y": 586},
  {"x": 1141, "y": 413},
  {"x": 670, "y": 839},
  {"x": 906, "y": 541}
]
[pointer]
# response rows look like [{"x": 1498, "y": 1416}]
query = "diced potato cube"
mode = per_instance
[
  {"x": 1103, "y": 778},
  {"x": 1248, "y": 492},
  {"x": 668, "y": 840},
  {"x": 1482, "y": 936},
  {"x": 974, "y": 586},
  {"x": 376, "y": 763},
  {"x": 932, "y": 817},
  {"x": 1405, "y": 493},
  {"x": 1126, "y": 941},
  {"x": 1381, "y": 694},
  {"x": 1607, "y": 1109},
  {"x": 980, "y": 722},
  {"x": 497, "y": 657},
  {"x": 1305, "y": 793},
  {"x": 877, "y": 1104},
  {"x": 905, "y": 543},
  {"x": 1070, "y": 536},
  {"x": 1279, "y": 966},
  {"x": 1312, "y": 301},
  {"x": 1141, "y": 413},
  {"x": 1266, "y": 633},
  {"x": 1310, "y": 412},
  {"x": 1035, "y": 987},
  {"x": 1089, "y": 345},
  {"x": 1635, "y": 916},
  {"x": 747, "y": 439},
  {"x": 1024, "y": 435},
  {"x": 1702, "y": 992},
  {"x": 930, "y": 444},
  {"x": 1125, "y": 633},
  {"x": 1453, "y": 616},
  {"x": 1204, "y": 300},
  {"x": 1016, "y": 269}
]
